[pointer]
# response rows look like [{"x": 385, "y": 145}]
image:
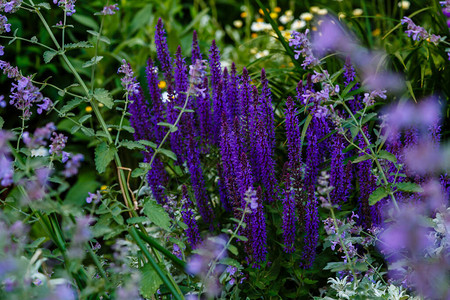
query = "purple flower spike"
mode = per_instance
[
  {"x": 162, "y": 51},
  {"x": 258, "y": 231},
  {"x": 289, "y": 218},
  {"x": 192, "y": 232}
]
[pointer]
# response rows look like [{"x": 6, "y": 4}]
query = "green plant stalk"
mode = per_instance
[
  {"x": 178, "y": 262},
  {"x": 366, "y": 140},
  {"x": 121, "y": 119},
  {"x": 344, "y": 247},
  {"x": 97, "y": 42},
  {"x": 177, "y": 294},
  {"x": 99, "y": 118}
]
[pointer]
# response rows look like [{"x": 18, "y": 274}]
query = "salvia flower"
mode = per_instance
[
  {"x": 289, "y": 218},
  {"x": 128, "y": 81},
  {"x": 419, "y": 33},
  {"x": 303, "y": 47},
  {"x": 197, "y": 72},
  {"x": 192, "y": 232},
  {"x": 257, "y": 227},
  {"x": 67, "y": 5},
  {"x": 110, "y": 9}
]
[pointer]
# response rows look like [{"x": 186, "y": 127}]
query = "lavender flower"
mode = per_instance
[
  {"x": 4, "y": 25},
  {"x": 129, "y": 83},
  {"x": 419, "y": 33},
  {"x": 369, "y": 98},
  {"x": 2, "y": 50},
  {"x": 10, "y": 71},
  {"x": 58, "y": 143},
  {"x": 96, "y": 197},
  {"x": 197, "y": 74},
  {"x": 162, "y": 51},
  {"x": 6, "y": 166},
  {"x": 337, "y": 174},
  {"x": 67, "y": 5},
  {"x": 24, "y": 94},
  {"x": 10, "y": 6},
  {"x": 192, "y": 233},
  {"x": 257, "y": 230},
  {"x": 303, "y": 47},
  {"x": 196, "y": 53},
  {"x": 72, "y": 165},
  {"x": 109, "y": 10}
]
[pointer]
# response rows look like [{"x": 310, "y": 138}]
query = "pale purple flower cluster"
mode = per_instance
[
  {"x": 419, "y": 33},
  {"x": 10, "y": 71},
  {"x": 6, "y": 167},
  {"x": 4, "y": 25},
  {"x": 59, "y": 141},
  {"x": 129, "y": 82},
  {"x": 369, "y": 98},
  {"x": 72, "y": 165},
  {"x": 24, "y": 94},
  {"x": 110, "y": 10},
  {"x": 197, "y": 74},
  {"x": 94, "y": 197},
  {"x": 67, "y": 5},
  {"x": 10, "y": 6},
  {"x": 303, "y": 47}
]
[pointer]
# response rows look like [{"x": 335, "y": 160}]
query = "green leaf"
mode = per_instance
[
  {"x": 103, "y": 156},
  {"x": 168, "y": 153},
  {"x": 48, "y": 55},
  {"x": 150, "y": 281},
  {"x": 88, "y": 131},
  {"x": 157, "y": 214},
  {"x": 70, "y": 105},
  {"x": 305, "y": 128},
  {"x": 387, "y": 155},
  {"x": 138, "y": 172},
  {"x": 170, "y": 126},
  {"x": 233, "y": 249},
  {"x": 86, "y": 21},
  {"x": 84, "y": 118},
  {"x": 82, "y": 44},
  {"x": 361, "y": 158},
  {"x": 93, "y": 61},
  {"x": 409, "y": 187},
  {"x": 230, "y": 262},
  {"x": 103, "y": 96},
  {"x": 79, "y": 191},
  {"x": 149, "y": 144},
  {"x": 377, "y": 195},
  {"x": 44, "y": 5},
  {"x": 135, "y": 220},
  {"x": 132, "y": 145},
  {"x": 1, "y": 122}
]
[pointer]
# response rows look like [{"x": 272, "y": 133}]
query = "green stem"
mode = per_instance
[
  {"x": 177, "y": 294},
  {"x": 96, "y": 53},
  {"x": 121, "y": 119},
  {"x": 26, "y": 40}
]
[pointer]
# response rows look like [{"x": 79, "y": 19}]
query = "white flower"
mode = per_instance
[
  {"x": 262, "y": 54},
  {"x": 260, "y": 26},
  {"x": 39, "y": 152},
  {"x": 404, "y": 5},
  {"x": 237, "y": 23},
  {"x": 298, "y": 24},
  {"x": 306, "y": 16},
  {"x": 314, "y": 9},
  {"x": 322, "y": 11},
  {"x": 357, "y": 12},
  {"x": 286, "y": 19}
]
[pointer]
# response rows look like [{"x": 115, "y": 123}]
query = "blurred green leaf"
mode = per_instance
[
  {"x": 103, "y": 156},
  {"x": 157, "y": 215}
]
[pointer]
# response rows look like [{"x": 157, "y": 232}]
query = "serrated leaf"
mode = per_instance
[
  {"x": 150, "y": 281},
  {"x": 157, "y": 215},
  {"x": 84, "y": 118},
  {"x": 82, "y": 44},
  {"x": 168, "y": 125},
  {"x": 93, "y": 61},
  {"x": 149, "y": 144},
  {"x": 94, "y": 33},
  {"x": 377, "y": 195},
  {"x": 387, "y": 155},
  {"x": 132, "y": 145},
  {"x": 233, "y": 249},
  {"x": 44, "y": 5},
  {"x": 88, "y": 131},
  {"x": 48, "y": 55},
  {"x": 168, "y": 153},
  {"x": 138, "y": 172},
  {"x": 103, "y": 96},
  {"x": 241, "y": 238},
  {"x": 361, "y": 158},
  {"x": 74, "y": 129},
  {"x": 230, "y": 262},
  {"x": 103, "y": 156},
  {"x": 135, "y": 220},
  {"x": 409, "y": 187}
]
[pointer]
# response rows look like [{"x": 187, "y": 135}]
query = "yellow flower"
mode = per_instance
[
  {"x": 88, "y": 109},
  {"x": 273, "y": 15},
  {"x": 314, "y": 28},
  {"x": 341, "y": 15},
  {"x": 280, "y": 28},
  {"x": 254, "y": 35},
  {"x": 376, "y": 32},
  {"x": 277, "y": 9},
  {"x": 260, "y": 20},
  {"x": 103, "y": 188},
  {"x": 162, "y": 84},
  {"x": 291, "y": 64},
  {"x": 322, "y": 12},
  {"x": 243, "y": 14}
]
